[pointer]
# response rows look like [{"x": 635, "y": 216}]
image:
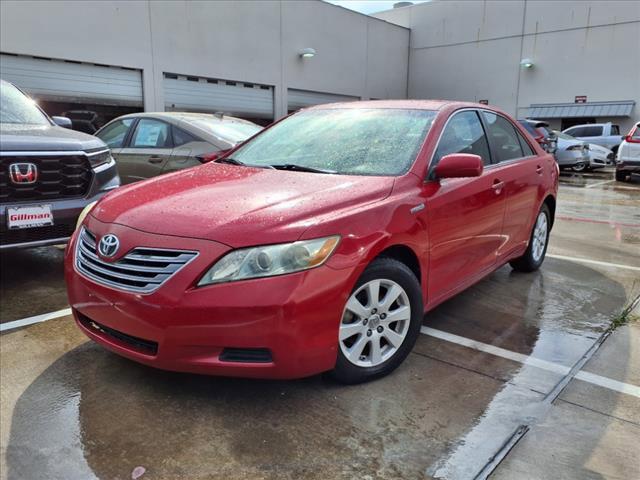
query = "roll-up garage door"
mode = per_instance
[
  {"x": 73, "y": 82},
  {"x": 195, "y": 94},
  {"x": 304, "y": 98}
]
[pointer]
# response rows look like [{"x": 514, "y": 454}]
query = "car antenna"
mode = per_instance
[{"x": 220, "y": 115}]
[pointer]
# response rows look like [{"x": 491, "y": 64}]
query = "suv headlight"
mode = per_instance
[
  {"x": 270, "y": 260},
  {"x": 99, "y": 157}
]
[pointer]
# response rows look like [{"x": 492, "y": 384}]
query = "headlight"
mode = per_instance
[
  {"x": 99, "y": 157},
  {"x": 83, "y": 214},
  {"x": 270, "y": 260}
]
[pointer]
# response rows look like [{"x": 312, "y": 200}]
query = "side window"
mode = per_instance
[
  {"x": 591, "y": 132},
  {"x": 151, "y": 133},
  {"x": 503, "y": 136},
  {"x": 526, "y": 148},
  {"x": 464, "y": 134},
  {"x": 575, "y": 132},
  {"x": 113, "y": 135},
  {"x": 180, "y": 137},
  {"x": 615, "y": 130}
]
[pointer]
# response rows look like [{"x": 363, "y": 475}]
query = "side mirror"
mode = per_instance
[
  {"x": 459, "y": 165},
  {"x": 63, "y": 122}
]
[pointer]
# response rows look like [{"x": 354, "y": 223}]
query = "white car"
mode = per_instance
[
  {"x": 628, "y": 157},
  {"x": 600, "y": 157},
  {"x": 605, "y": 134}
]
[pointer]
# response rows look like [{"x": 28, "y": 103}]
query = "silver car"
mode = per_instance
[
  {"x": 145, "y": 145},
  {"x": 572, "y": 153}
]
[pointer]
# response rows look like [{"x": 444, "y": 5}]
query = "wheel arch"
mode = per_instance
[
  {"x": 550, "y": 202},
  {"x": 405, "y": 255}
]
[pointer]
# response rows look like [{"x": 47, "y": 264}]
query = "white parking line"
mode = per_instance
[
  {"x": 597, "y": 184},
  {"x": 36, "y": 319},
  {"x": 594, "y": 262},
  {"x": 592, "y": 378}
]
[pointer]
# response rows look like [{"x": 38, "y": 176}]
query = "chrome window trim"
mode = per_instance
[{"x": 51, "y": 153}]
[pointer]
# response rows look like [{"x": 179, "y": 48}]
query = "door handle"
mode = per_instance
[
  {"x": 539, "y": 170},
  {"x": 154, "y": 160},
  {"x": 497, "y": 186}
]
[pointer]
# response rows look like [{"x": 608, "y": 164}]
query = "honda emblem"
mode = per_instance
[{"x": 23, "y": 173}]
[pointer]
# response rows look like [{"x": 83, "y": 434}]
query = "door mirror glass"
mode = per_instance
[{"x": 459, "y": 165}]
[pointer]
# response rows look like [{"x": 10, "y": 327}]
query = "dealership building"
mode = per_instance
[{"x": 567, "y": 62}]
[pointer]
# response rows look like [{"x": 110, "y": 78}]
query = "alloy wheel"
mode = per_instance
[
  {"x": 375, "y": 322},
  {"x": 539, "y": 236}
]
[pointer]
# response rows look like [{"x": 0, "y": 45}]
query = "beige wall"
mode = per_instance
[
  {"x": 249, "y": 41},
  {"x": 471, "y": 50}
]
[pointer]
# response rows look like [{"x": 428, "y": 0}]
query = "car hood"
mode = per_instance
[
  {"x": 238, "y": 206},
  {"x": 14, "y": 138},
  {"x": 597, "y": 148}
]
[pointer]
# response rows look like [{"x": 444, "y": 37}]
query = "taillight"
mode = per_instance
[
  {"x": 211, "y": 156},
  {"x": 631, "y": 138}
]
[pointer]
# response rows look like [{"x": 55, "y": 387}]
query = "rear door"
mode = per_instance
[
  {"x": 185, "y": 148},
  {"x": 522, "y": 171},
  {"x": 148, "y": 150},
  {"x": 464, "y": 214}
]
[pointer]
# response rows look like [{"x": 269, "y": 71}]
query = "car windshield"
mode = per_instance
[
  {"x": 17, "y": 108},
  {"x": 345, "y": 141},
  {"x": 564, "y": 135},
  {"x": 230, "y": 131}
]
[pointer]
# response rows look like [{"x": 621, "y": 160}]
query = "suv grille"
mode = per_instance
[
  {"x": 142, "y": 270},
  {"x": 59, "y": 176}
]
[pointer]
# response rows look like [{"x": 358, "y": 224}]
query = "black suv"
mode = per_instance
[
  {"x": 48, "y": 174},
  {"x": 541, "y": 133}
]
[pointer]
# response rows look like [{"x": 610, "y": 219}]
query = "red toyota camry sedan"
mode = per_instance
[{"x": 318, "y": 245}]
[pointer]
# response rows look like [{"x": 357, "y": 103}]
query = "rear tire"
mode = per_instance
[
  {"x": 579, "y": 167},
  {"x": 380, "y": 323},
  {"x": 537, "y": 249},
  {"x": 621, "y": 176}
]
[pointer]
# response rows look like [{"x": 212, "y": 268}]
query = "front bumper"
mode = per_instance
[
  {"x": 295, "y": 317},
  {"x": 65, "y": 213}
]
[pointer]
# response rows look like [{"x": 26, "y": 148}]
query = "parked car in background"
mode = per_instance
[
  {"x": 149, "y": 144},
  {"x": 541, "y": 133},
  {"x": 598, "y": 157},
  {"x": 86, "y": 121},
  {"x": 572, "y": 153},
  {"x": 318, "y": 245},
  {"x": 628, "y": 156},
  {"x": 603, "y": 134},
  {"x": 48, "y": 174}
]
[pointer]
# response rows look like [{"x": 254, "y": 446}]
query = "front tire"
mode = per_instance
[
  {"x": 621, "y": 176},
  {"x": 579, "y": 167},
  {"x": 537, "y": 249},
  {"x": 380, "y": 323}
]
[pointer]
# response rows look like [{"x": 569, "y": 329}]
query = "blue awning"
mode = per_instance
[{"x": 591, "y": 109}]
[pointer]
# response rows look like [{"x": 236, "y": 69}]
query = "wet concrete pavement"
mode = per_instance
[{"x": 71, "y": 410}]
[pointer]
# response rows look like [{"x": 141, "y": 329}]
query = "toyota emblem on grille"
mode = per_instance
[
  {"x": 108, "y": 245},
  {"x": 23, "y": 173}
]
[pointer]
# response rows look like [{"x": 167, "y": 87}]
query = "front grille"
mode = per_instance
[
  {"x": 59, "y": 176},
  {"x": 246, "y": 355},
  {"x": 141, "y": 345},
  {"x": 142, "y": 270},
  {"x": 25, "y": 235}
]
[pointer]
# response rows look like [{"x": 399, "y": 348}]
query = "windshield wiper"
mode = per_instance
[
  {"x": 300, "y": 168},
  {"x": 231, "y": 161}
]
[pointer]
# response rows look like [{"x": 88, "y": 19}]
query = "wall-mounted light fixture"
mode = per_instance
[
  {"x": 307, "y": 53},
  {"x": 526, "y": 63}
]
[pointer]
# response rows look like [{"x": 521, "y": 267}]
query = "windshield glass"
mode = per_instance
[
  {"x": 232, "y": 132},
  {"x": 563, "y": 135},
  {"x": 346, "y": 141},
  {"x": 15, "y": 107}
]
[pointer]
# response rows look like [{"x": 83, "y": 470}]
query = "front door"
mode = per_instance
[
  {"x": 464, "y": 215},
  {"x": 147, "y": 152}
]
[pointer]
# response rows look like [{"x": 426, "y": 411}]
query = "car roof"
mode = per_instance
[
  {"x": 402, "y": 104},
  {"x": 186, "y": 116}
]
